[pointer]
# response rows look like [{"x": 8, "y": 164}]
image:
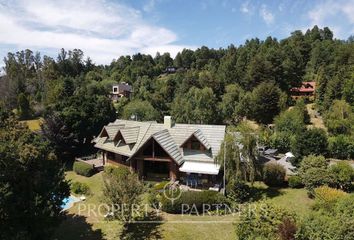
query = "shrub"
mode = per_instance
[
  {"x": 265, "y": 221},
  {"x": 117, "y": 171},
  {"x": 83, "y": 169},
  {"x": 281, "y": 141},
  {"x": 80, "y": 188},
  {"x": 341, "y": 147},
  {"x": 287, "y": 229},
  {"x": 339, "y": 119},
  {"x": 289, "y": 121},
  {"x": 273, "y": 174},
  {"x": 238, "y": 191},
  {"x": 193, "y": 201},
  {"x": 334, "y": 223},
  {"x": 343, "y": 175},
  {"x": 295, "y": 182},
  {"x": 326, "y": 196},
  {"x": 313, "y": 141},
  {"x": 314, "y": 172}
]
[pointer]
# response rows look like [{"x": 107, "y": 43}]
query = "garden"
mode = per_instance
[{"x": 317, "y": 189}]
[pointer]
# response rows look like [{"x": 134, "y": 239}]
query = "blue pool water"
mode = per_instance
[{"x": 68, "y": 202}]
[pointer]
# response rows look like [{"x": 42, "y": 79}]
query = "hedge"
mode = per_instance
[{"x": 83, "y": 169}]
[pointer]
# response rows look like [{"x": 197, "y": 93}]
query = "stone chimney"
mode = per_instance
[{"x": 167, "y": 121}]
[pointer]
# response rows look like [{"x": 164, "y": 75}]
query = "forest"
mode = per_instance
[{"x": 210, "y": 86}]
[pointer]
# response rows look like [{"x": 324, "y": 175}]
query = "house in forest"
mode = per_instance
[
  {"x": 307, "y": 89},
  {"x": 163, "y": 150},
  {"x": 169, "y": 70},
  {"x": 121, "y": 90}
]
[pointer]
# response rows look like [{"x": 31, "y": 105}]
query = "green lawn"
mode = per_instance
[
  {"x": 89, "y": 227},
  {"x": 293, "y": 199}
]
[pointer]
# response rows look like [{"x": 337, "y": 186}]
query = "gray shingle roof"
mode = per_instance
[
  {"x": 200, "y": 136},
  {"x": 136, "y": 134},
  {"x": 130, "y": 134},
  {"x": 112, "y": 130},
  {"x": 168, "y": 144}
]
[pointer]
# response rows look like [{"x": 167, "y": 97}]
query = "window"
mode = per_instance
[
  {"x": 195, "y": 145},
  {"x": 115, "y": 89}
]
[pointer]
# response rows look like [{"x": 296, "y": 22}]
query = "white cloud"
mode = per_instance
[
  {"x": 103, "y": 30},
  {"x": 331, "y": 13},
  {"x": 267, "y": 16},
  {"x": 246, "y": 7}
]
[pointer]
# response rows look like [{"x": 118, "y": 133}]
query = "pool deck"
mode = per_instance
[{"x": 71, "y": 203}]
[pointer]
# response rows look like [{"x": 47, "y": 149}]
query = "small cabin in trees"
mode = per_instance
[
  {"x": 121, "y": 90},
  {"x": 307, "y": 89}
]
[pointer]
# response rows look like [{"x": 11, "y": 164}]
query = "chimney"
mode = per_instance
[{"x": 167, "y": 121}]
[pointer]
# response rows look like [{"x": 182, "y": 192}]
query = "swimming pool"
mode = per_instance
[{"x": 69, "y": 202}]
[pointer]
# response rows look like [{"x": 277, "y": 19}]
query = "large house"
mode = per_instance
[{"x": 163, "y": 150}]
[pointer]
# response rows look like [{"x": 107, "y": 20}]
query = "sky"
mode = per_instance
[{"x": 107, "y": 29}]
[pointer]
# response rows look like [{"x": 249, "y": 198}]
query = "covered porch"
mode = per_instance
[
  {"x": 200, "y": 175},
  {"x": 156, "y": 169}
]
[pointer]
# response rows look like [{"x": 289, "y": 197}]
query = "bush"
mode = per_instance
[
  {"x": 341, "y": 147},
  {"x": 339, "y": 118},
  {"x": 314, "y": 172},
  {"x": 274, "y": 174},
  {"x": 313, "y": 141},
  {"x": 238, "y": 191},
  {"x": 287, "y": 229},
  {"x": 325, "y": 196},
  {"x": 265, "y": 221},
  {"x": 295, "y": 182},
  {"x": 281, "y": 141},
  {"x": 193, "y": 201},
  {"x": 83, "y": 169},
  {"x": 334, "y": 223},
  {"x": 80, "y": 188},
  {"x": 290, "y": 122},
  {"x": 343, "y": 175},
  {"x": 117, "y": 171}
]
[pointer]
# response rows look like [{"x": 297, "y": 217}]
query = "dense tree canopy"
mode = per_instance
[
  {"x": 234, "y": 82},
  {"x": 32, "y": 185},
  {"x": 340, "y": 118},
  {"x": 312, "y": 141}
]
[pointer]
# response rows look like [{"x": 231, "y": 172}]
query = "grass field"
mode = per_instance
[
  {"x": 90, "y": 227},
  {"x": 295, "y": 200}
]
